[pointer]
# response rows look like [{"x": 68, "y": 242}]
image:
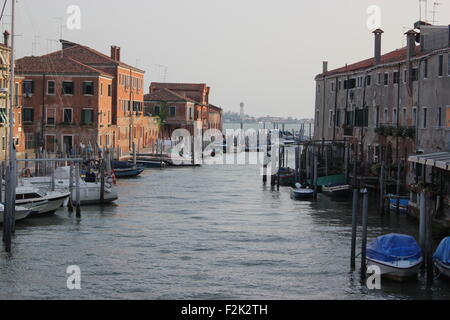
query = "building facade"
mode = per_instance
[{"x": 392, "y": 105}]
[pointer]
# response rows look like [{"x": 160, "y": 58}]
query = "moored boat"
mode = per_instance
[
  {"x": 337, "y": 190},
  {"x": 286, "y": 176},
  {"x": 125, "y": 169},
  {"x": 398, "y": 256},
  {"x": 442, "y": 257},
  {"x": 40, "y": 201},
  {"x": 403, "y": 205},
  {"x": 20, "y": 213},
  {"x": 300, "y": 193}
]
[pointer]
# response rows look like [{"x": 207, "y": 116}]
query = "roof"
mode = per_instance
[
  {"x": 166, "y": 95},
  {"x": 55, "y": 65},
  {"x": 215, "y": 107},
  {"x": 393, "y": 56},
  {"x": 89, "y": 56},
  {"x": 178, "y": 86},
  {"x": 439, "y": 160}
]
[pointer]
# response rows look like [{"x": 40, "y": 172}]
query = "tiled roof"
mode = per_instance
[
  {"x": 166, "y": 95},
  {"x": 90, "y": 56},
  {"x": 393, "y": 56},
  {"x": 55, "y": 65},
  {"x": 178, "y": 86}
]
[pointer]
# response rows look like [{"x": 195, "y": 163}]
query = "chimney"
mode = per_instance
[
  {"x": 324, "y": 66},
  {"x": 6, "y": 38},
  {"x": 378, "y": 33},
  {"x": 410, "y": 44},
  {"x": 115, "y": 53}
]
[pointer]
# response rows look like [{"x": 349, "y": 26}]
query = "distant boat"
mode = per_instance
[
  {"x": 404, "y": 204},
  {"x": 442, "y": 257},
  {"x": 125, "y": 169},
  {"x": 398, "y": 256},
  {"x": 337, "y": 190},
  {"x": 20, "y": 213},
  {"x": 286, "y": 176},
  {"x": 151, "y": 163},
  {"x": 300, "y": 193}
]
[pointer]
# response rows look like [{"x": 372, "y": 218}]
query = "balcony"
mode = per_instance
[
  {"x": 348, "y": 130},
  {"x": 387, "y": 130}
]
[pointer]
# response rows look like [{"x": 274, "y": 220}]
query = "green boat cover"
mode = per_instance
[{"x": 330, "y": 180}]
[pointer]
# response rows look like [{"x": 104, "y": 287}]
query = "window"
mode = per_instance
[
  {"x": 425, "y": 120},
  {"x": 415, "y": 119},
  {"x": 379, "y": 78},
  {"x": 67, "y": 88},
  {"x": 369, "y": 80},
  {"x": 317, "y": 118},
  {"x": 439, "y": 117},
  {"x": 396, "y": 77},
  {"x": 441, "y": 66},
  {"x": 51, "y": 87},
  {"x": 405, "y": 76},
  {"x": 28, "y": 87},
  {"x": 51, "y": 116},
  {"x": 386, "y": 79},
  {"x": 67, "y": 116},
  {"x": 29, "y": 140},
  {"x": 16, "y": 94},
  {"x": 425, "y": 69},
  {"x": 157, "y": 110},
  {"x": 3, "y": 115},
  {"x": 88, "y": 88},
  {"x": 109, "y": 90},
  {"x": 87, "y": 116},
  {"x": 28, "y": 115},
  {"x": 385, "y": 119},
  {"x": 362, "y": 118},
  {"x": 448, "y": 64},
  {"x": 404, "y": 118},
  {"x": 394, "y": 116},
  {"x": 330, "y": 120},
  {"x": 340, "y": 83},
  {"x": 101, "y": 89},
  {"x": 415, "y": 74},
  {"x": 332, "y": 87},
  {"x": 173, "y": 111},
  {"x": 350, "y": 84},
  {"x": 338, "y": 118},
  {"x": 377, "y": 116}
]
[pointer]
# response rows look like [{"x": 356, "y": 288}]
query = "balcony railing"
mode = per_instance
[{"x": 389, "y": 130}]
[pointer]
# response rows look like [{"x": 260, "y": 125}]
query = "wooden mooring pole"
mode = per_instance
[
  {"x": 77, "y": 190},
  {"x": 354, "y": 227},
  {"x": 365, "y": 222},
  {"x": 316, "y": 160},
  {"x": 70, "y": 203}
]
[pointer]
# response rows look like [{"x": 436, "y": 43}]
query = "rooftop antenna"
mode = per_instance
[
  {"x": 435, "y": 11},
  {"x": 61, "y": 26},
  {"x": 164, "y": 72},
  {"x": 421, "y": 10},
  {"x": 34, "y": 45}
]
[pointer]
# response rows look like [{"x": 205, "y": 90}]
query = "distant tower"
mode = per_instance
[{"x": 242, "y": 115}]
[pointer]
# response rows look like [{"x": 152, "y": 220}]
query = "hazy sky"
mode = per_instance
[{"x": 264, "y": 53}]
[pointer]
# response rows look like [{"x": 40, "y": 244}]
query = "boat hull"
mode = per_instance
[
  {"x": 128, "y": 173},
  {"x": 337, "y": 191},
  {"x": 398, "y": 271},
  {"x": 301, "y": 195},
  {"x": 50, "y": 206},
  {"x": 443, "y": 268},
  {"x": 20, "y": 214}
]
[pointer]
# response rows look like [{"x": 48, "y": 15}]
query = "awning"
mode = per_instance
[{"x": 439, "y": 160}]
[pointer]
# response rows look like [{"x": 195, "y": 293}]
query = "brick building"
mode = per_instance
[
  {"x": 80, "y": 96},
  {"x": 187, "y": 103}
]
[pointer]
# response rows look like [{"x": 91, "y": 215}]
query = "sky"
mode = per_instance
[{"x": 260, "y": 52}]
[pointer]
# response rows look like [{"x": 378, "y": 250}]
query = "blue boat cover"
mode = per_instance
[
  {"x": 443, "y": 251},
  {"x": 393, "y": 247},
  {"x": 403, "y": 203}
]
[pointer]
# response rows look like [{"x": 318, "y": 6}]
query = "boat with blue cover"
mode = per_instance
[
  {"x": 125, "y": 169},
  {"x": 442, "y": 257},
  {"x": 404, "y": 204},
  {"x": 398, "y": 256}
]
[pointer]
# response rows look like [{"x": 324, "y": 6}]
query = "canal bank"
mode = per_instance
[{"x": 169, "y": 238}]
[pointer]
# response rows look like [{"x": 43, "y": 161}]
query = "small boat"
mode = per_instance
[
  {"x": 20, "y": 213},
  {"x": 442, "y": 257},
  {"x": 300, "y": 193},
  {"x": 404, "y": 204},
  {"x": 90, "y": 187},
  {"x": 398, "y": 256},
  {"x": 151, "y": 163},
  {"x": 337, "y": 190},
  {"x": 286, "y": 176},
  {"x": 40, "y": 201},
  {"x": 125, "y": 169}
]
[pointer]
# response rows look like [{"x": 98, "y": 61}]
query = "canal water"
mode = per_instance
[{"x": 213, "y": 232}]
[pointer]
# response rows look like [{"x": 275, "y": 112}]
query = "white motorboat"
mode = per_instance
[
  {"x": 89, "y": 191},
  {"x": 442, "y": 257},
  {"x": 399, "y": 257},
  {"x": 40, "y": 201},
  {"x": 301, "y": 193},
  {"x": 20, "y": 213},
  {"x": 337, "y": 190}
]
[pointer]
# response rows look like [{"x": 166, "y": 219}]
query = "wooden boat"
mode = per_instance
[
  {"x": 399, "y": 257},
  {"x": 286, "y": 176},
  {"x": 20, "y": 213},
  {"x": 151, "y": 163},
  {"x": 337, "y": 190},
  {"x": 125, "y": 169},
  {"x": 300, "y": 193},
  {"x": 404, "y": 204},
  {"x": 442, "y": 258}
]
